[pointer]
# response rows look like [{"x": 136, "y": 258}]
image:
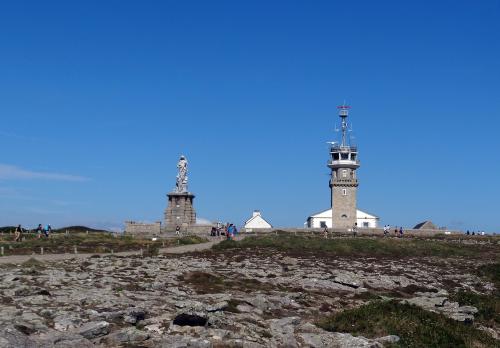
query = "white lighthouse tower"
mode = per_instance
[{"x": 343, "y": 163}]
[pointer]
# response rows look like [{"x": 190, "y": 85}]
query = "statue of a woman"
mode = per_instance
[{"x": 182, "y": 179}]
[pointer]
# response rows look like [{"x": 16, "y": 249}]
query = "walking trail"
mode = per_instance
[{"x": 18, "y": 259}]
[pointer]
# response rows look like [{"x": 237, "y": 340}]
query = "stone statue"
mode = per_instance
[{"x": 182, "y": 179}]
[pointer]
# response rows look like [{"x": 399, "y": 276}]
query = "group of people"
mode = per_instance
[
  {"x": 228, "y": 230},
  {"x": 479, "y": 233},
  {"x": 40, "y": 231},
  {"x": 398, "y": 232}
]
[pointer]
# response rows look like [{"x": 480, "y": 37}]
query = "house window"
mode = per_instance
[
  {"x": 322, "y": 224},
  {"x": 344, "y": 192},
  {"x": 344, "y": 173},
  {"x": 365, "y": 224}
]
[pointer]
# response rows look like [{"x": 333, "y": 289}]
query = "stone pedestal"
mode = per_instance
[{"x": 180, "y": 211}]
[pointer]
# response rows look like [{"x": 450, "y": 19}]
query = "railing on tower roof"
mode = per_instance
[{"x": 340, "y": 148}]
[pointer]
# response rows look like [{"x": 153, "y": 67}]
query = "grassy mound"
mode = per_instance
[
  {"x": 360, "y": 246},
  {"x": 91, "y": 243},
  {"x": 488, "y": 305},
  {"x": 416, "y": 327},
  {"x": 191, "y": 240}
]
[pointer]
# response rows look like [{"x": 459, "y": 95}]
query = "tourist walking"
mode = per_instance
[
  {"x": 39, "y": 231},
  {"x": 18, "y": 233},
  {"x": 231, "y": 231},
  {"x": 401, "y": 232},
  {"x": 47, "y": 230},
  {"x": 386, "y": 230}
]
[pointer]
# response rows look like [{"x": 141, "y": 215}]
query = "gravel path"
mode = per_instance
[{"x": 17, "y": 259}]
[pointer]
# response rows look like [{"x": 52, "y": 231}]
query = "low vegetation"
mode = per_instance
[
  {"x": 69, "y": 229},
  {"x": 362, "y": 246},
  {"x": 89, "y": 243},
  {"x": 488, "y": 306},
  {"x": 209, "y": 283},
  {"x": 416, "y": 327}
]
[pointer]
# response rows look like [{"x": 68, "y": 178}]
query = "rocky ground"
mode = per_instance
[{"x": 235, "y": 298}]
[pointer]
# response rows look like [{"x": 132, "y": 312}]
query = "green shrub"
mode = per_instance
[
  {"x": 488, "y": 305},
  {"x": 415, "y": 326},
  {"x": 360, "y": 246}
]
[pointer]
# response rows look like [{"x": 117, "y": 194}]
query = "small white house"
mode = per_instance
[
  {"x": 324, "y": 219},
  {"x": 257, "y": 221}
]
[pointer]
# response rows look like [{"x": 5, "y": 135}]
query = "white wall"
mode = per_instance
[
  {"x": 315, "y": 222},
  {"x": 372, "y": 223},
  {"x": 257, "y": 222}
]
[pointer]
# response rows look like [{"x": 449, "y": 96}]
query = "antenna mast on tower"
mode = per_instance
[{"x": 343, "y": 113}]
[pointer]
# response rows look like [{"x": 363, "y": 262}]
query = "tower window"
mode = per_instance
[
  {"x": 335, "y": 156},
  {"x": 344, "y": 173},
  {"x": 344, "y": 156},
  {"x": 344, "y": 216},
  {"x": 344, "y": 192}
]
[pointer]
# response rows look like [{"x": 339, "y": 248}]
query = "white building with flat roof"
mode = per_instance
[{"x": 324, "y": 219}]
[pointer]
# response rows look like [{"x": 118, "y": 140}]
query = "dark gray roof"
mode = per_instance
[{"x": 426, "y": 225}]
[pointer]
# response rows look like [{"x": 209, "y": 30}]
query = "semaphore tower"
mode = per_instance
[{"x": 343, "y": 183}]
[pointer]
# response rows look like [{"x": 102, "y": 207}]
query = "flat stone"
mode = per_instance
[{"x": 93, "y": 329}]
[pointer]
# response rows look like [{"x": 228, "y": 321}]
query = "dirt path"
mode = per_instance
[{"x": 18, "y": 259}]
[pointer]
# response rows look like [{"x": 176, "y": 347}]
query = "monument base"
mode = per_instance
[{"x": 180, "y": 211}]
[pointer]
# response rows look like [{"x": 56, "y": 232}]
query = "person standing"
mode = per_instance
[
  {"x": 39, "y": 231},
  {"x": 47, "y": 230},
  {"x": 355, "y": 229},
  {"x": 177, "y": 230},
  {"x": 401, "y": 232},
  {"x": 18, "y": 233},
  {"x": 325, "y": 232},
  {"x": 230, "y": 232}
]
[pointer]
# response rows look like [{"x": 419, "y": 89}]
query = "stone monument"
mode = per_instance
[{"x": 180, "y": 211}]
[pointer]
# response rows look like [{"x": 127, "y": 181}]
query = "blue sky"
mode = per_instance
[{"x": 99, "y": 98}]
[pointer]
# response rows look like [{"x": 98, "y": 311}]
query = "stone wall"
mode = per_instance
[
  {"x": 141, "y": 228},
  {"x": 361, "y": 231}
]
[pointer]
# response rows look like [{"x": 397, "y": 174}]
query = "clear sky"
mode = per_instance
[{"x": 99, "y": 98}]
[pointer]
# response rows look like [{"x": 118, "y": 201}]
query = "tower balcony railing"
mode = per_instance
[
  {"x": 343, "y": 163},
  {"x": 345, "y": 180},
  {"x": 340, "y": 148}
]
